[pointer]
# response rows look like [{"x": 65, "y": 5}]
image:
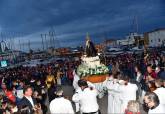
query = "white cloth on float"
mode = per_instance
[{"x": 99, "y": 87}]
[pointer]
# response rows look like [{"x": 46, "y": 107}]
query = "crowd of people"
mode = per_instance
[
  {"x": 134, "y": 82},
  {"x": 24, "y": 90}
]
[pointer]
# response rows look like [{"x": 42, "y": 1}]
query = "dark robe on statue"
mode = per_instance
[{"x": 90, "y": 49}]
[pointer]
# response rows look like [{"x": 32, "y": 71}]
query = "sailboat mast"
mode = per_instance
[{"x": 42, "y": 42}]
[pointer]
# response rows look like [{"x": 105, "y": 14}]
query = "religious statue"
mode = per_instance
[{"x": 90, "y": 48}]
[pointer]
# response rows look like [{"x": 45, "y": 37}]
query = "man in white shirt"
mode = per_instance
[
  {"x": 114, "y": 105},
  {"x": 127, "y": 92},
  {"x": 160, "y": 91},
  {"x": 108, "y": 85},
  {"x": 87, "y": 98},
  {"x": 60, "y": 105},
  {"x": 79, "y": 90},
  {"x": 151, "y": 100}
]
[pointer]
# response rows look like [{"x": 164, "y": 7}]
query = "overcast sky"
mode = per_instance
[{"x": 72, "y": 19}]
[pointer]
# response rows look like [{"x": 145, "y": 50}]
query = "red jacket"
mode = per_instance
[
  {"x": 10, "y": 96},
  {"x": 129, "y": 112}
]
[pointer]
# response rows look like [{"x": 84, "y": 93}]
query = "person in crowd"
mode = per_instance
[
  {"x": 70, "y": 76},
  {"x": 87, "y": 98},
  {"x": 10, "y": 95},
  {"x": 3, "y": 88},
  {"x": 150, "y": 75},
  {"x": 138, "y": 74},
  {"x": 39, "y": 109},
  {"x": 117, "y": 93},
  {"x": 24, "y": 110},
  {"x": 4, "y": 109},
  {"x": 60, "y": 105},
  {"x": 133, "y": 107},
  {"x": 51, "y": 92},
  {"x": 50, "y": 83},
  {"x": 109, "y": 85},
  {"x": 79, "y": 90},
  {"x": 58, "y": 77},
  {"x": 151, "y": 100},
  {"x": 12, "y": 107},
  {"x": 160, "y": 91},
  {"x": 160, "y": 72},
  {"x": 28, "y": 100},
  {"x": 127, "y": 91},
  {"x": 113, "y": 95},
  {"x": 40, "y": 95},
  {"x": 75, "y": 80},
  {"x": 140, "y": 82},
  {"x": 32, "y": 81},
  {"x": 150, "y": 78},
  {"x": 2, "y": 94},
  {"x": 37, "y": 97},
  {"x": 64, "y": 77},
  {"x": 77, "y": 104},
  {"x": 115, "y": 67},
  {"x": 50, "y": 80},
  {"x": 19, "y": 90}
]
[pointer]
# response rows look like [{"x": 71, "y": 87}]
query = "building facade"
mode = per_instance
[{"x": 156, "y": 38}]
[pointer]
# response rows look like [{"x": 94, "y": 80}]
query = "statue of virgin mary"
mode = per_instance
[{"x": 90, "y": 48}]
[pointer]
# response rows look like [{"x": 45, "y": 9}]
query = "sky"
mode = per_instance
[{"x": 23, "y": 21}]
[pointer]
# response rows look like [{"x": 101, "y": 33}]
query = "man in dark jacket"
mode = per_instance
[{"x": 27, "y": 100}]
